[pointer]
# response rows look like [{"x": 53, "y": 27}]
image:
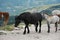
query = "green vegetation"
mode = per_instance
[
  {"x": 11, "y": 19},
  {"x": 11, "y": 27},
  {"x": 7, "y": 28}
]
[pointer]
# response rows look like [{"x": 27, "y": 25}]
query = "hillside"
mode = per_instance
[{"x": 46, "y": 8}]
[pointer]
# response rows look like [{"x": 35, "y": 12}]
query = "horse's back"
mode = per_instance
[
  {"x": 38, "y": 16},
  {"x": 56, "y": 18},
  {"x": 31, "y": 17},
  {"x": 4, "y": 13},
  {"x": 25, "y": 14},
  {"x": 53, "y": 19}
]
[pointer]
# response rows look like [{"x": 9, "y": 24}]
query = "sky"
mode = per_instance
[{"x": 16, "y": 6}]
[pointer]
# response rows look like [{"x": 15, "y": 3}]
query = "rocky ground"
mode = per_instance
[{"x": 18, "y": 34}]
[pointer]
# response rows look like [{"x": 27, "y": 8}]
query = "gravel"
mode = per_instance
[{"x": 18, "y": 34}]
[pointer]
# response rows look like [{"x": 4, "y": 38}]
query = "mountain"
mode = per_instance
[
  {"x": 50, "y": 9},
  {"x": 57, "y": 7},
  {"x": 15, "y": 7},
  {"x": 46, "y": 9}
]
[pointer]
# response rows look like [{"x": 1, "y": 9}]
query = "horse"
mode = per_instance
[
  {"x": 56, "y": 12},
  {"x": 4, "y": 15},
  {"x": 51, "y": 19},
  {"x": 29, "y": 18}
]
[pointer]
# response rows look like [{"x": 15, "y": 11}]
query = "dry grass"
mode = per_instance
[
  {"x": 11, "y": 27},
  {"x": 7, "y": 27}
]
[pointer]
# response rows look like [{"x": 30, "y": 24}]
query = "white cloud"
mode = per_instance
[
  {"x": 14, "y": 10},
  {"x": 18, "y": 6},
  {"x": 38, "y": 2},
  {"x": 8, "y": 7}
]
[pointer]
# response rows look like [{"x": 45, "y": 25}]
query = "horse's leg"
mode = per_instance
[
  {"x": 40, "y": 27},
  {"x": 0, "y": 19},
  {"x": 0, "y": 16},
  {"x": 5, "y": 20},
  {"x": 48, "y": 26},
  {"x": 56, "y": 25},
  {"x": 28, "y": 30},
  {"x": 36, "y": 27},
  {"x": 25, "y": 29}
]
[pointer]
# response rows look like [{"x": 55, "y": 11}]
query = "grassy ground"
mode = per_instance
[
  {"x": 11, "y": 26},
  {"x": 7, "y": 27}
]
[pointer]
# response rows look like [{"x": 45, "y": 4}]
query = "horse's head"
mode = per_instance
[
  {"x": 45, "y": 16},
  {"x": 17, "y": 21}
]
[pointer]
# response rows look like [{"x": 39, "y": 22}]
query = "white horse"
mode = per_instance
[
  {"x": 51, "y": 19},
  {"x": 56, "y": 12}
]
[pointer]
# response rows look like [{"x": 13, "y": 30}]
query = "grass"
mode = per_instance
[
  {"x": 11, "y": 27},
  {"x": 7, "y": 28}
]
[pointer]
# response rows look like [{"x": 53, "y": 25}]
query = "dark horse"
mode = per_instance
[
  {"x": 6, "y": 17},
  {"x": 29, "y": 18}
]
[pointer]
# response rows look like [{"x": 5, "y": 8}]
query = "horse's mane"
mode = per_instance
[{"x": 25, "y": 13}]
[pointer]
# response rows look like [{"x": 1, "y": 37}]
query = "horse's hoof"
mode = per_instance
[
  {"x": 24, "y": 33},
  {"x": 55, "y": 31},
  {"x": 28, "y": 32},
  {"x": 39, "y": 31},
  {"x": 48, "y": 31},
  {"x": 36, "y": 31}
]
